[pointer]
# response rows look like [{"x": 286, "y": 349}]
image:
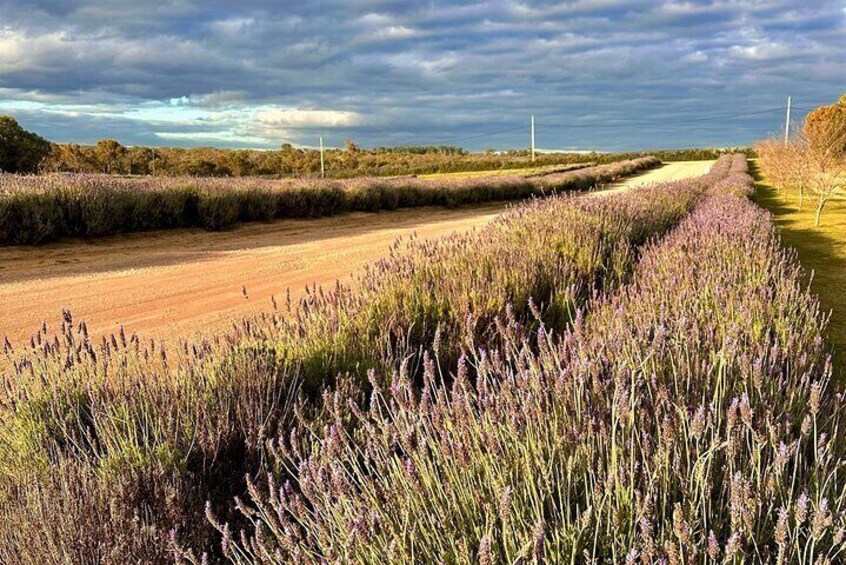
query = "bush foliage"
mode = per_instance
[{"x": 20, "y": 151}]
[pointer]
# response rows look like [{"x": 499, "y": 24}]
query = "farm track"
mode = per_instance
[
  {"x": 177, "y": 284},
  {"x": 669, "y": 172}
]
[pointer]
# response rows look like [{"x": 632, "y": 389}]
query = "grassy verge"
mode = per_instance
[{"x": 821, "y": 250}]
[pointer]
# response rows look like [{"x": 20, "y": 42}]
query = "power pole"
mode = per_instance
[
  {"x": 322, "y": 165},
  {"x": 787, "y": 122},
  {"x": 533, "y": 138}
]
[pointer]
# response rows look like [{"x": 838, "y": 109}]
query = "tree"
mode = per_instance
[
  {"x": 787, "y": 166},
  {"x": 240, "y": 163},
  {"x": 825, "y": 128},
  {"x": 798, "y": 167},
  {"x": 139, "y": 160},
  {"x": 111, "y": 156},
  {"x": 21, "y": 151},
  {"x": 825, "y": 133},
  {"x": 813, "y": 160},
  {"x": 826, "y": 153}
]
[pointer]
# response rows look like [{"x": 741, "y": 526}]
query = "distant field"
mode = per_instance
[
  {"x": 821, "y": 250},
  {"x": 520, "y": 171}
]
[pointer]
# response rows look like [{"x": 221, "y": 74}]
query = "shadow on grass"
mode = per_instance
[{"x": 822, "y": 252}]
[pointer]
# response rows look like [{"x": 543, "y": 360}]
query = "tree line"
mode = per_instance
[
  {"x": 811, "y": 163},
  {"x": 29, "y": 153}
]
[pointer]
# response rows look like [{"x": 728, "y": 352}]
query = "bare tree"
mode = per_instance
[
  {"x": 799, "y": 170},
  {"x": 814, "y": 160},
  {"x": 771, "y": 159},
  {"x": 786, "y": 166},
  {"x": 826, "y": 153}
]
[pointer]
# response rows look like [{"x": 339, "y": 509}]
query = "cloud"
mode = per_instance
[
  {"x": 392, "y": 33},
  {"x": 293, "y": 117},
  {"x": 391, "y": 71},
  {"x": 210, "y": 137},
  {"x": 20, "y": 52}
]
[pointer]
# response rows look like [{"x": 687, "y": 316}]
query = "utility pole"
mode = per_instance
[
  {"x": 533, "y": 138},
  {"x": 322, "y": 165},
  {"x": 787, "y": 122}
]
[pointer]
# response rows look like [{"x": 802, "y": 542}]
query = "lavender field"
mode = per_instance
[
  {"x": 40, "y": 208},
  {"x": 633, "y": 379}
]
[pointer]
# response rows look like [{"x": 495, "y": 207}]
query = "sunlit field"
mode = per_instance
[
  {"x": 410, "y": 283},
  {"x": 599, "y": 376},
  {"x": 821, "y": 250}
]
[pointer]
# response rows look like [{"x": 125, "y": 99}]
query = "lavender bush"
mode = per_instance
[
  {"x": 35, "y": 209},
  {"x": 686, "y": 417},
  {"x": 145, "y": 436}
]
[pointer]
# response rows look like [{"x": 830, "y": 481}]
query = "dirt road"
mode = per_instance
[
  {"x": 180, "y": 283},
  {"x": 676, "y": 170}
]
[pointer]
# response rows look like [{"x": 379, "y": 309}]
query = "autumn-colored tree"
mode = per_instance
[
  {"x": 826, "y": 153},
  {"x": 110, "y": 155},
  {"x": 140, "y": 160},
  {"x": 240, "y": 163},
  {"x": 825, "y": 129}
]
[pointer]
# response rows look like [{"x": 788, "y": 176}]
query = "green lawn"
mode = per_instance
[{"x": 821, "y": 250}]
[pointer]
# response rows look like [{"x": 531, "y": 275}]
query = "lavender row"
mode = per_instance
[
  {"x": 686, "y": 418},
  {"x": 35, "y": 209},
  {"x": 145, "y": 435}
]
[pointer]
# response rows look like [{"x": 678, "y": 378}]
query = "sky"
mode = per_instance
[{"x": 601, "y": 74}]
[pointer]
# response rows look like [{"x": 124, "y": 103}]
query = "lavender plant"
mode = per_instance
[
  {"x": 147, "y": 435},
  {"x": 35, "y": 209},
  {"x": 686, "y": 417}
]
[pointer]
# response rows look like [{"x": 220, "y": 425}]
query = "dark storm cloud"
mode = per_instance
[{"x": 258, "y": 73}]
